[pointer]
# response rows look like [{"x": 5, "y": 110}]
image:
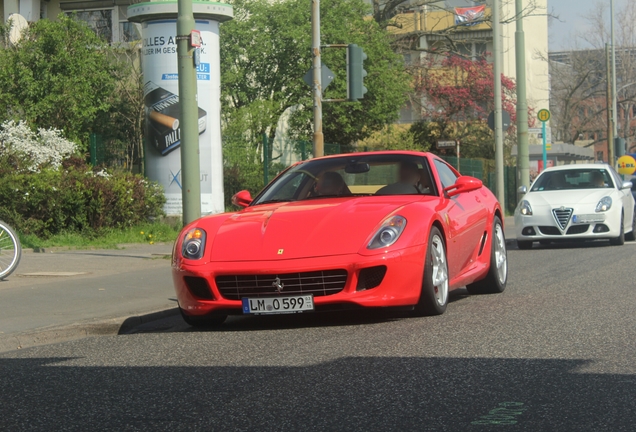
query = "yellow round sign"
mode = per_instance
[
  {"x": 543, "y": 115},
  {"x": 626, "y": 165}
]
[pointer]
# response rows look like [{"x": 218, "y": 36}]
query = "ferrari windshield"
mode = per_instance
[
  {"x": 584, "y": 178},
  {"x": 364, "y": 175}
]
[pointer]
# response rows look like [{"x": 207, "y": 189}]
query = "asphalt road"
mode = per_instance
[{"x": 554, "y": 352}]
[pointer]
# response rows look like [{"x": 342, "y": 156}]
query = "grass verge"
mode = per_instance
[{"x": 151, "y": 232}]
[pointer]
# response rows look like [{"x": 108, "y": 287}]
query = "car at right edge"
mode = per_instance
[{"x": 581, "y": 201}]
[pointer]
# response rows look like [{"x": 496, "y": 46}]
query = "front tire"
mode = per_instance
[
  {"x": 620, "y": 240},
  {"x": 631, "y": 236},
  {"x": 497, "y": 276},
  {"x": 434, "y": 294}
]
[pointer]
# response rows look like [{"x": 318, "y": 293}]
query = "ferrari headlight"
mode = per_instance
[
  {"x": 604, "y": 204},
  {"x": 193, "y": 244},
  {"x": 388, "y": 233},
  {"x": 525, "y": 208}
]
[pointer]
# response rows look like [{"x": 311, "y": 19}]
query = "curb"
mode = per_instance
[{"x": 108, "y": 327}]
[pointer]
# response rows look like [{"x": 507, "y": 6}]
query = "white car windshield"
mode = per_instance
[{"x": 584, "y": 178}]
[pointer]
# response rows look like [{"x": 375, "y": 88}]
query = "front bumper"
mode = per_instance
[
  {"x": 584, "y": 223},
  {"x": 400, "y": 286}
]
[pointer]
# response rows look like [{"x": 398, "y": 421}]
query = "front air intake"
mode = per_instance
[{"x": 370, "y": 277}]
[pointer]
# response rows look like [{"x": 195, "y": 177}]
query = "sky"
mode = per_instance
[{"x": 562, "y": 32}]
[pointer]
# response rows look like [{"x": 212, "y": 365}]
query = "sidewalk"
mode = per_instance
[{"x": 61, "y": 295}]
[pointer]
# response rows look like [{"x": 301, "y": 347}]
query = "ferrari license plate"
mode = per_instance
[{"x": 278, "y": 305}]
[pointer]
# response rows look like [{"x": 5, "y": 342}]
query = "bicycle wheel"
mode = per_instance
[{"x": 10, "y": 250}]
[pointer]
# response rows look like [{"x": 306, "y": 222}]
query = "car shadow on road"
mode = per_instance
[
  {"x": 563, "y": 244},
  {"x": 170, "y": 321}
]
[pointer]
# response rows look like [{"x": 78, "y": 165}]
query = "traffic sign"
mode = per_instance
[
  {"x": 505, "y": 120},
  {"x": 446, "y": 144},
  {"x": 543, "y": 115},
  {"x": 548, "y": 146},
  {"x": 326, "y": 76},
  {"x": 626, "y": 165}
]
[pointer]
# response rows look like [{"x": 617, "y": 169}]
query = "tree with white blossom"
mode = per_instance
[{"x": 34, "y": 150}]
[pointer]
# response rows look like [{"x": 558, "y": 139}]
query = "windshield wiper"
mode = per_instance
[
  {"x": 326, "y": 196},
  {"x": 273, "y": 201}
]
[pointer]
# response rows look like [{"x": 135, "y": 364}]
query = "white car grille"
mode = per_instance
[{"x": 562, "y": 216}]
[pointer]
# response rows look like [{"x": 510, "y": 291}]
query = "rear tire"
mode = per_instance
[
  {"x": 620, "y": 240},
  {"x": 631, "y": 236},
  {"x": 497, "y": 276},
  {"x": 524, "y": 244},
  {"x": 203, "y": 321},
  {"x": 434, "y": 294}
]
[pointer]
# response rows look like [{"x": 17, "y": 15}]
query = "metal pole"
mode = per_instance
[
  {"x": 457, "y": 151},
  {"x": 189, "y": 115},
  {"x": 265, "y": 160},
  {"x": 319, "y": 148},
  {"x": 523, "y": 157},
  {"x": 610, "y": 116},
  {"x": 499, "y": 150},
  {"x": 545, "y": 146},
  {"x": 614, "y": 98}
]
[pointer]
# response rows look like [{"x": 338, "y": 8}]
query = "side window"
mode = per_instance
[{"x": 446, "y": 175}]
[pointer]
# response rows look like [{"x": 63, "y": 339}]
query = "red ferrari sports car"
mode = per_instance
[{"x": 361, "y": 230}]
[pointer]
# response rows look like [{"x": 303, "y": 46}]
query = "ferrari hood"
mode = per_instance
[
  {"x": 301, "y": 229},
  {"x": 567, "y": 197}
]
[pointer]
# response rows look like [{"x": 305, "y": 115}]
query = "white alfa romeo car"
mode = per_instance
[{"x": 583, "y": 201}]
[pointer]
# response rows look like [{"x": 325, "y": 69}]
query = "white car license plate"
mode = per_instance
[
  {"x": 587, "y": 218},
  {"x": 278, "y": 305}
]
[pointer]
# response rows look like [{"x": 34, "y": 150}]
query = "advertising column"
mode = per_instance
[{"x": 161, "y": 99}]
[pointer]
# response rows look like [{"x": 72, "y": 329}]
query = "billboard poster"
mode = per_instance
[{"x": 161, "y": 104}]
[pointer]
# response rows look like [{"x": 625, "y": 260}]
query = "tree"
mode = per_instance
[
  {"x": 389, "y": 14},
  {"x": 578, "y": 96},
  {"x": 58, "y": 76},
  {"x": 456, "y": 97},
  {"x": 578, "y": 99},
  {"x": 265, "y": 52}
]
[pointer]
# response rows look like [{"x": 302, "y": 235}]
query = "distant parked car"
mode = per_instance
[{"x": 583, "y": 201}]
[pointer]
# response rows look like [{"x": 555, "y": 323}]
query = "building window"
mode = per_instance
[
  {"x": 128, "y": 31},
  {"x": 100, "y": 21},
  {"x": 44, "y": 5},
  {"x": 599, "y": 155},
  {"x": 110, "y": 24}
]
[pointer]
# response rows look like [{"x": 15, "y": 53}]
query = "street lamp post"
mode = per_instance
[{"x": 614, "y": 99}]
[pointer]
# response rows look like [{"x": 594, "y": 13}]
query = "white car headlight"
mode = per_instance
[
  {"x": 604, "y": 204},
  {"x": 388, "y": 233},
  {"x": 193, "y": 244},
  {"x": 525, "y": 208}
]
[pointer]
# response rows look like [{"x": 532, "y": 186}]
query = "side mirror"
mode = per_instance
[
  {"x": 522, "y": 190},
  {"x": 463, "y": 184},
  {"x": 242, "y": 198},
  {"x": 627, "y": 185}
]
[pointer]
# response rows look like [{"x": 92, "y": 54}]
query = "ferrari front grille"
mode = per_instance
[
  {"x": 562, "y": 216},
  {"x": 318, "y": 283}
]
